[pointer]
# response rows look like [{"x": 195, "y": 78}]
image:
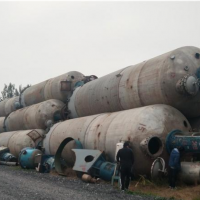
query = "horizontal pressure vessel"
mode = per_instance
[
  {"x": 59, "y": 88},
  {"x": 2, "y": 124},
  {"x": 171, "y": 78},
  {"x": 9, "y": 105},
  {"x": 17, "y": 140},
  {"x": 146, "y": 128},
  {"x": 38, "y": 116}
]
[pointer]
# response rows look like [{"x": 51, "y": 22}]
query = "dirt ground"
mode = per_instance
[
  {"x": 27, "y": 184},
  {"x": 161, "y": 189}
]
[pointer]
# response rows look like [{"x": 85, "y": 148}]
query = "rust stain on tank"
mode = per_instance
[{"x": 99, "y": 134}]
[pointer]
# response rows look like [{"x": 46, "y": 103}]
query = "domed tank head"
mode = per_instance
[{"x": 188, "y": 85}]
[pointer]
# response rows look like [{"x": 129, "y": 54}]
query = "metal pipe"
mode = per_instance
[
  {"x": 104, "y": 131},
  {"x": 171, "y": 78},
  {"x": 189, "y": 140},
  {"x": 8, "y": 163}
]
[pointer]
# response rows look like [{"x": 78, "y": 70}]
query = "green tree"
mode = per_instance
[{"x": 10, "y": 91}]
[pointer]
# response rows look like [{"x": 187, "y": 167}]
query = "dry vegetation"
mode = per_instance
[{"x": 161, "y": 189}]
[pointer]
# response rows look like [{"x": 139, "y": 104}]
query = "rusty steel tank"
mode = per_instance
[
  {"x": 39, "y": 116},
  {"x": 9, "y": 105},
  {"x": 2, "y": 119},
  {"x": 146, "y": 128},
  {"x": 55, "y": 88},
  {"x": 171, "y": 78},
  {"x": 17, "y": 140}
]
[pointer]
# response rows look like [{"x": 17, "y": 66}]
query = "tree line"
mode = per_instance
[{"x": 10, "y": 91}]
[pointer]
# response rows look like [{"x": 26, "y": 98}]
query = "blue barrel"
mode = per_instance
[
  {"x": 27, "y": 157},
  {"x": 107, "y": 170}
]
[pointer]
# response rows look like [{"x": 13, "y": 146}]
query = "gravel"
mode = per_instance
[{"x": 16, "y": 183}]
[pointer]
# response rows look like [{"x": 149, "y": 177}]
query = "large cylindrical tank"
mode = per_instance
[
  {"x": 2, "y": 124},
  {"x": 9, "y": 105},
  {"x": 38, "y": 116},
  {"x": 169, "y": 79},
  {"x": 55, "y": 88},
  {"x": 146, "y": 128},
  {"x": 17, "y": 140}
]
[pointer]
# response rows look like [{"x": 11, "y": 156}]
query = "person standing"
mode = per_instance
[
  {"x": 126, "y": 159},
  {"x": 174, "y": 166}
]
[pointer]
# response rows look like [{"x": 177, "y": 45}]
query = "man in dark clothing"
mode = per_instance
[
  {"x": 126, "y": 159},
  {"x": 174, "y": 166}
]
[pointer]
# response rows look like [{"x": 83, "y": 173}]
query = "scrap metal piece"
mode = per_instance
[
  {"x": 60, "y": 166},
  {"x": 85, "y": 158}
]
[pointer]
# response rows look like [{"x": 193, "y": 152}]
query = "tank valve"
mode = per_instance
[{"x": 188, "y": 85}]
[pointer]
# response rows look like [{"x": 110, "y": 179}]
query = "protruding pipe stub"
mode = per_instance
[
  {"x": 17, "y": 105},
  {"x": 152, "y": 146},
  {"x": 188, "y": 85}
]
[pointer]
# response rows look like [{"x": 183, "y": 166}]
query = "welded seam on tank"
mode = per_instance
[
  {"x": 86, "y": 131},
  {"x": 164, "y": 124},
  {"x": 105, "y": 138},
  {"x": 14, "y": 132},
  {"x": 119, "y": 84},
  {"x": 138, "y": 88},
  {"x": 50, "y": 133},
  {"x": 162, "y": 86}
]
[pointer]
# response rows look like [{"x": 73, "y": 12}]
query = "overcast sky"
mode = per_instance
[{"x": 41, "y": 40}]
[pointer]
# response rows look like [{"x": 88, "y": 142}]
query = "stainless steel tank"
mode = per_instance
[
  {"x": 55, "y": 88},
  {"x": 171, "y": 78},
  {"x": 17, "y": 140},
  {"x": 146, "y": 128},
  {"x": 190, "y": 172},
  {"x": 9, "y": 105},
  {"x": 2, "y": 124},
  {"x": 38, "y": 116}
]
